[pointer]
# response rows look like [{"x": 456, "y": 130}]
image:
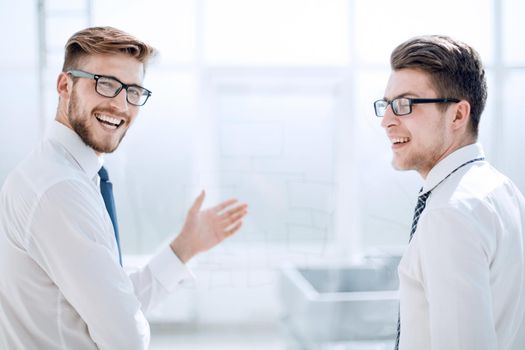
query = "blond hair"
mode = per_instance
[{"x": 104, "y": 40}]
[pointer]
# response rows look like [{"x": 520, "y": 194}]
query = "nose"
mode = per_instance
[
  {"x": 120, "y": 101},
  {"x": 389, "y": 119}
]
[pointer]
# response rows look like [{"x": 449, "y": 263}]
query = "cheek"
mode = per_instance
[
  {"x": 430, "y": 139},
  {"x": 133, "y": 115}
]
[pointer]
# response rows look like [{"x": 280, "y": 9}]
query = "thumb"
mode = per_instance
[{"x": 198, "y": 202}]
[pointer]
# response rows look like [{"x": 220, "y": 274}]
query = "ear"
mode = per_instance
[
  {"x": 461, "y": 115},
  {"x": 64, "y": 89},
  {"x": 64, "y": 85}
]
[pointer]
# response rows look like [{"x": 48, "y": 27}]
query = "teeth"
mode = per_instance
[
  {"x": 399, "y": 139},
  {"x": 114, "y": 121}
]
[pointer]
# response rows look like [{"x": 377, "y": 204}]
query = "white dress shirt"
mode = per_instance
[
  {"x": 61, "y": 285},
  {"x": 462, "y": 278}
]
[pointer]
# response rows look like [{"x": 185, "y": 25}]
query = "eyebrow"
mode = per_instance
[
  {"x": 405, "y": 94},
  {"x": 120, "y": 81}
]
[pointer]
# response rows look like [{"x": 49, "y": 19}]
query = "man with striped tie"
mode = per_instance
[
  {"x": 62, "y": 285},
  {"x": 462, "y": 277}
]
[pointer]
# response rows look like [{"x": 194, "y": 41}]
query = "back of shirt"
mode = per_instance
[{"x": 34, "y": 314}]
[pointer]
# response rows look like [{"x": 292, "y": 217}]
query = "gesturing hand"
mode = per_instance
[{"x": 204, "y": 229}]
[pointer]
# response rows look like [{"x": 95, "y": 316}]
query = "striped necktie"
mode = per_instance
[
  {"x": 106, "y": 189},
  {"x": 420, "y": 206},
  {"x": 421, "y": 203}
]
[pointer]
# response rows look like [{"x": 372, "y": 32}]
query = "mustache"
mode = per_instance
[{"x": 111, "y": 111}]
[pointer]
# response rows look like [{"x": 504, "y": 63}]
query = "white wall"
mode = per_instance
[
  {"x": 269, "y": 101},
  {"x": 19, "y": 121}
]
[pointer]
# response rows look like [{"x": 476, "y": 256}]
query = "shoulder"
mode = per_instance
[
  {"x": 46, "y": 177},
  {"x": 47, "y": 166},
  {"x": 477, "y": 190},
  {"x": 475, "y": 208}
]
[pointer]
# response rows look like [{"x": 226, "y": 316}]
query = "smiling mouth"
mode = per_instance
[
  {"x": 399, "y": 140},
  {"x": 109, "y": 122}
]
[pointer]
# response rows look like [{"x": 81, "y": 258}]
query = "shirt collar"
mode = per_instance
[
  {"x": 444, "y": 167},
  {"x": 84, "y": 155}
]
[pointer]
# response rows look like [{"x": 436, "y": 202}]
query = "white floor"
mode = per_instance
[
  {"x": 243, "y": 337},
  {"x": 217, "y": 337}
]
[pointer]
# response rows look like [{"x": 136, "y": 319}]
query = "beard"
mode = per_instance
[
  {"x": 423, "y": 157},
  {"x": 79, "y": 121}
]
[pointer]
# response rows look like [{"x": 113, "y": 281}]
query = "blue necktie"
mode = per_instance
[{"x": 106, "y": 189}]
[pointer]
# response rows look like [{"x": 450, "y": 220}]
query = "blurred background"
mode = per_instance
[{"x": 268, "y": 101}]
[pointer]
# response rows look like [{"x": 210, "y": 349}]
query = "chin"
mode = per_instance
[
  {"x": 100, "y": 146},
  {"x": 399, "y": 165},
  {"x": 105, "y": 148},
  {"x": 103, "y": 144}
]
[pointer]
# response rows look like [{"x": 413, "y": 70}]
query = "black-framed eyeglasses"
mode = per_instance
[
  {"x": 110, "y": 87},
  {"x": 403, "y": 105}
]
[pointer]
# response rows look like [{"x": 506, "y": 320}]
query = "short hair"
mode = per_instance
[
  {"x": 104, "y": 40},
  {"x": 455, "y": 70}
]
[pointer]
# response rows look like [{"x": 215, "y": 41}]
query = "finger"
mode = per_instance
[
  {"x": 224, "y": 204},
  {"x": 232, "y": 230},
  {"x": 234, "y": 218},
  {"x": 234, "y": 210},
  {"x": 198, "y": 202}
]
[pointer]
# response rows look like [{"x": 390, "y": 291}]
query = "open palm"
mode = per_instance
[{"x": 204, "y": 229}]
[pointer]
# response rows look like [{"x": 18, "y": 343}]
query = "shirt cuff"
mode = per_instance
[{"x": 167, "y": 268}]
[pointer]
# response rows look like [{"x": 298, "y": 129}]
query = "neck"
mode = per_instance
[{"x": 459, "y": 143}]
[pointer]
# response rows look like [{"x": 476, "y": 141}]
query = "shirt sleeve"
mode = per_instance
[
  {"x": 70, "y": 240},
  {"x": 159, "y": 278},
  {"x": 455, "y": 252}
]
